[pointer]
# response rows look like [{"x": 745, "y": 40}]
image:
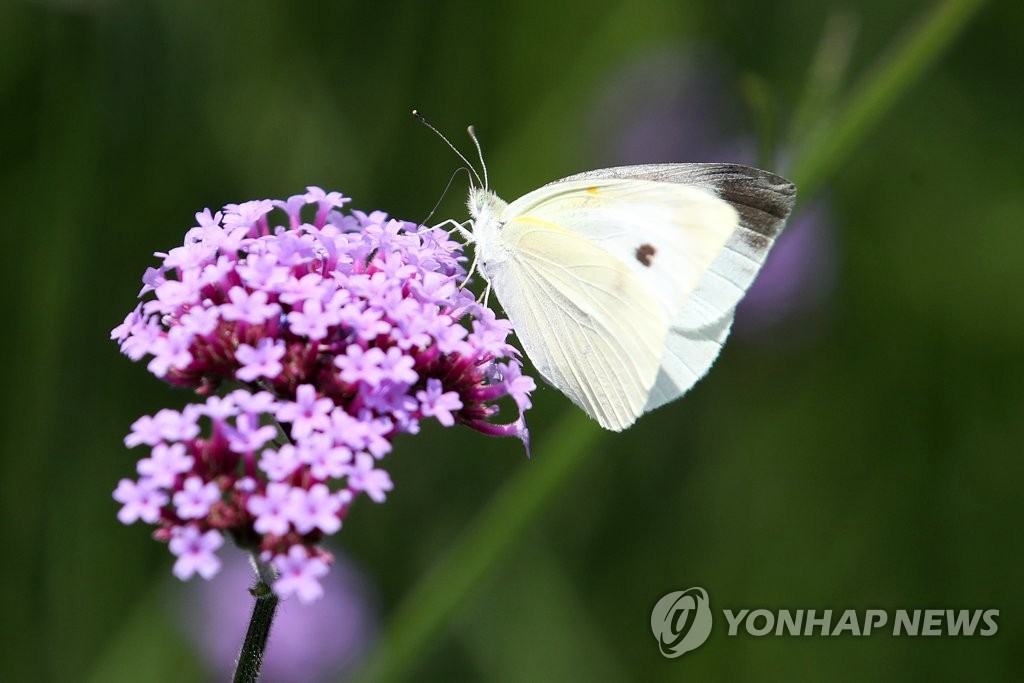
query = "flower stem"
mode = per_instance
[{"x": 250, "y": 659}]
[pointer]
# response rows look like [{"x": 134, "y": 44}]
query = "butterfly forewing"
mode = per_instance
[
  {"x": 667, "y": 234},
  {"x": 763, "y": 202}
]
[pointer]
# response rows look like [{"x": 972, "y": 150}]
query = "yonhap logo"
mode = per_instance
[{"x": 681, "y": 621}]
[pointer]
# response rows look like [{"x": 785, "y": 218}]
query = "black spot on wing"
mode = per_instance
[{"x": 644, "y": 254}]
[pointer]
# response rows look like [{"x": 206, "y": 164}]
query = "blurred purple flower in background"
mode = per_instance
[
  {"x": 690, "y": 110},
  {"x": 795, "y": 281},
  {"x": 673, "y": 106},
  {"x": 313, "y": 642}
]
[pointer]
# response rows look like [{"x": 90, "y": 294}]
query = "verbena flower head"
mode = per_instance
[{"x": 316, "y": 336}]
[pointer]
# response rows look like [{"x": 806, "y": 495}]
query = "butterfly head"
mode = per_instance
[{"x": 484, "y": 205}]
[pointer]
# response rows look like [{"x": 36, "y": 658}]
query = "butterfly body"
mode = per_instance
[
  {"x": 621, "y": 283},
  {"x": 486, "y": 209}
]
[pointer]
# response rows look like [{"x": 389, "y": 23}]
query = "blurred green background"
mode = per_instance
[{"x": 862, "y": 452}]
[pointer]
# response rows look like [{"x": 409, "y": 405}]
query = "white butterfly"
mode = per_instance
[{"x": 621, "y": 283}]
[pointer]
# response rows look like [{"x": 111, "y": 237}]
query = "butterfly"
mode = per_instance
[{"x": 621, "y": 283}]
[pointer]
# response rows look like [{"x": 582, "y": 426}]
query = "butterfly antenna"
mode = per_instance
[
  {"x": 444, "y": 194},
  {"x": 455, "y": 149},
  {"x": 480, "y": 153}
]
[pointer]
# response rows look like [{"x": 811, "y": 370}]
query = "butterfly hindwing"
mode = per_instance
[
  {"x": 589, "y": 325},
  {"x": 688, "y": 355}
]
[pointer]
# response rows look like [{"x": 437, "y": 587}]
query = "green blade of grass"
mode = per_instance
[{"x": 438, "y": 595}]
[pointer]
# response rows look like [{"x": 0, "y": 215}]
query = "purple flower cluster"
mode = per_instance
[{"x": 327, "y": 337}]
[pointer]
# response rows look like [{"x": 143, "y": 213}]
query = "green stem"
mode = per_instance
[
  {"x": 830, "y": 144},
  {"x": 437, "y": 597},
  {"x": 250, "y": 658},
  {"x": 827, "y": 72}
]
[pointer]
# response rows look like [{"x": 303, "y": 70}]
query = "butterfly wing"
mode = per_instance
[
  {"x": 591, "y": 327},
  {"x": 667, "y": 234},
  {"x": 595, "y": 272},
  {"x": 688, "y": 355},
  {"x": 763, "y": 202}
]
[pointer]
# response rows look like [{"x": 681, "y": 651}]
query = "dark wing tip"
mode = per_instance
[{"x": 763, "y": 199}]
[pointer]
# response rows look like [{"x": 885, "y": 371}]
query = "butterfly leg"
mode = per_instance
[
  {"x": 472, "y": 269},
  {"x": 457, "y": 227}
]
